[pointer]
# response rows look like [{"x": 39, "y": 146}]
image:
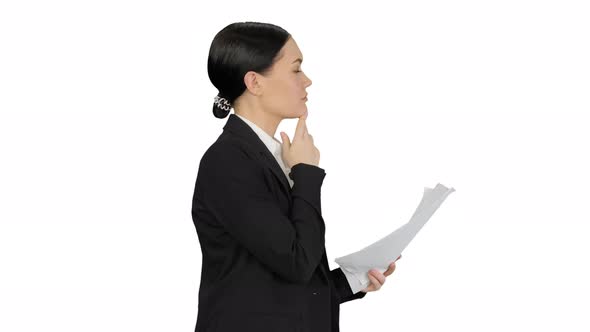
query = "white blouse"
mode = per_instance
[{"x": 274, "y": 146}]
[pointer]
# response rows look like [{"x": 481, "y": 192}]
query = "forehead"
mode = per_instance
[{"x": 291, "y": 52}]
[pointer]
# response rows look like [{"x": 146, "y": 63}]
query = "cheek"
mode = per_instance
[
  {"x": 290, "y": 91},
  {"x": 297, "y": 88},
  {"x": 283, "y": 88},
  {"x": 285, "y": 97}
]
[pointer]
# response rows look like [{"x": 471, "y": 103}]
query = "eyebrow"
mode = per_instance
[{"x": 298, "y": 59}]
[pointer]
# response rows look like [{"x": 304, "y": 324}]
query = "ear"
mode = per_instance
[{"x": 252, "y": 83}]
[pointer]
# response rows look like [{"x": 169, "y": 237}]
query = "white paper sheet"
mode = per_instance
[{"x": 385, "y": 251}]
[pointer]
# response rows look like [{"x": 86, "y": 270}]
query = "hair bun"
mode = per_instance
[
  {"x": 221, "y": 107},
  {"x": 219, "y": 113}
]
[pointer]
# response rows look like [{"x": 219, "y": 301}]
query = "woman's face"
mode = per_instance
[{"x": 284, "y": 88}]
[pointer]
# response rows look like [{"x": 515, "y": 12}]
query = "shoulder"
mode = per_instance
[
  {"x": 228, "y": 165},
  {"x": 228, "y": 154},
  {"x": 227, "y": 149}
]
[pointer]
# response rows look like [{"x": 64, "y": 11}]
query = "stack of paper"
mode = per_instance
[{"x": 385, "y": 251}]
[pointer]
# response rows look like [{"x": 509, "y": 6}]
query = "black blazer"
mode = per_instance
[{"x": 265, "y": 266}]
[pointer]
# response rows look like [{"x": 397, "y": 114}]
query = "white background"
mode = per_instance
[{"x": 106, "y": 112}]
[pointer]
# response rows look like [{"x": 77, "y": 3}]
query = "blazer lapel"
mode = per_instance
[{"x": 238, "y": 127}]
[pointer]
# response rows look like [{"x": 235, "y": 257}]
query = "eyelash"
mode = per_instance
[{"x": 298, "y": 71}]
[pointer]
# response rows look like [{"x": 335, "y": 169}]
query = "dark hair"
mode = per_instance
[{"x": 236, "y": 49}]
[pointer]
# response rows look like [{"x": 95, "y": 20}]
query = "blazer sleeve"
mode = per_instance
[
  {"x": 342, "y": 287},
  {"x": 233, "y": 187}
]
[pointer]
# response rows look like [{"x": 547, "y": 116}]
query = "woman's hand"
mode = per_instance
[
  {"x": 378, "y": 279},
  {"x": 302, "y": 149}
]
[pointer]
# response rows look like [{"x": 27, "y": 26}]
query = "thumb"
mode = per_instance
[{"x": 286, "y": 141}]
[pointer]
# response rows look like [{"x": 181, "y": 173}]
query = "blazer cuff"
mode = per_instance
[
  {"x": 343, "y": 287},
  {"x": 307, "y": 183}
]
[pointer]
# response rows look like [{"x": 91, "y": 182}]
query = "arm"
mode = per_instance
[
  {"x": 234, "y": 188},
  {"x": 342, "y": 287}
]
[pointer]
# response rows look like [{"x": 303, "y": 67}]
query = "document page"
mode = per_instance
[{"x": 381, "y": 253}]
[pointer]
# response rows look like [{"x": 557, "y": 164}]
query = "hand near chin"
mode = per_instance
[{"x": 302, "y": 149}]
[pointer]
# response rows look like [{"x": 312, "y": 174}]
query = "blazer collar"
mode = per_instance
[{"x": 238, "y": 127}]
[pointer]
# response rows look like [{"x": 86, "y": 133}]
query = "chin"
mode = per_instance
[{"x": 295, "y": 113}]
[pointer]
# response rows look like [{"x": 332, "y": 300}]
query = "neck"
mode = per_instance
[{"x": 265, "y": 121}]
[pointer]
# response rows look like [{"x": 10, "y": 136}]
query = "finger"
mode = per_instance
[
  {"x": 301, "y": 129},
  {"x": 286, "y": 142},
  {"x": 390, "y": 269},
  {"x": 379, "y": 276},
  {"x": 374, "y": 281}
]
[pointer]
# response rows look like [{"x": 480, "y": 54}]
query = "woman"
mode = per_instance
[{"x": 256, "y": 205}]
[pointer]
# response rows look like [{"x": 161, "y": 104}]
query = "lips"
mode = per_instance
[{"x": 304, "y": 97}]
